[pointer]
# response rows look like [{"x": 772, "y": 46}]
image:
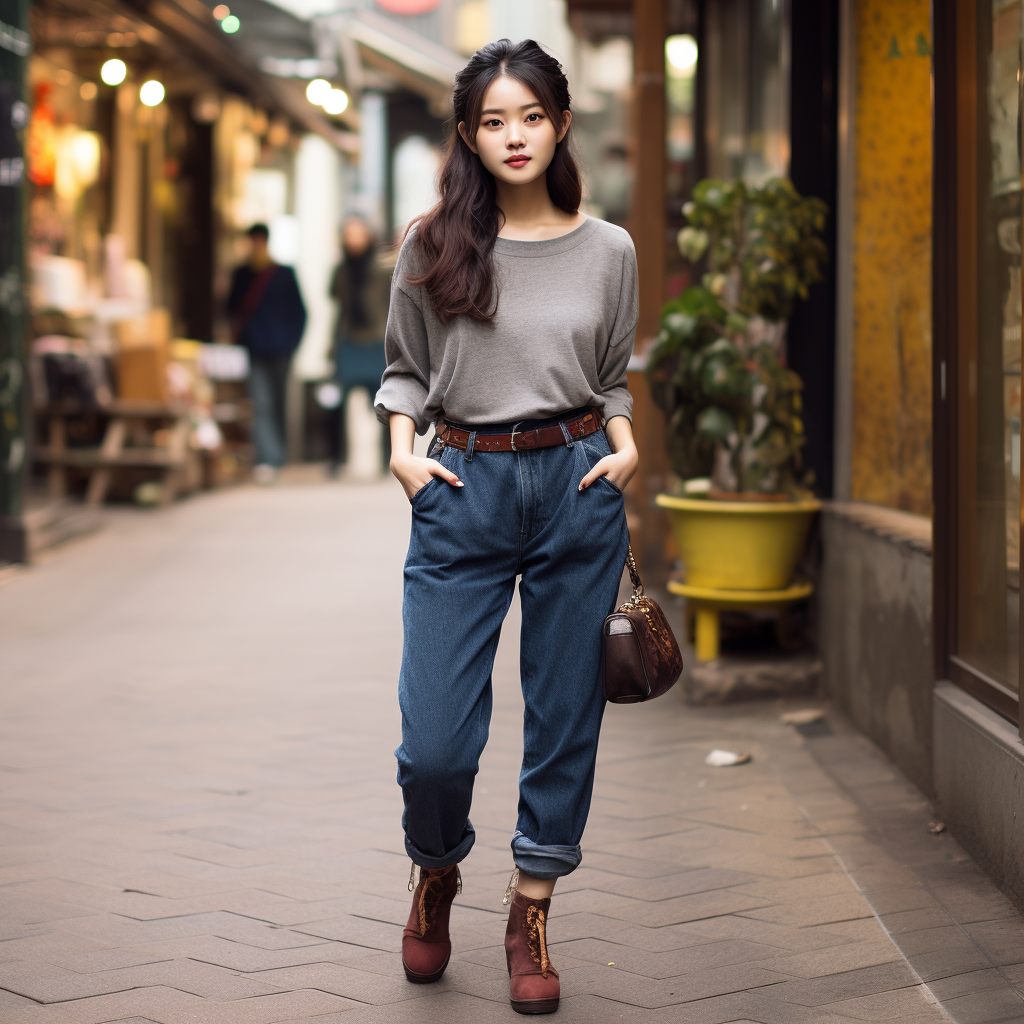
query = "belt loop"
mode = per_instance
[
  {"x": 470, "y": 445},
  {"x": 569, "y": 442}
]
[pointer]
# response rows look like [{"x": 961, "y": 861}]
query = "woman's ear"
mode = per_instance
[
  {"x": 566, "y": 121},
  {"x": 465, "y": 137}
]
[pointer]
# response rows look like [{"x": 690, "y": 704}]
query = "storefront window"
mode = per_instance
[
  {"x": 989, "y": 372},
  {"x": 681, "y": 173},
  {"x": 747, "y": 50},
  {"x": 600, "y": 78}
]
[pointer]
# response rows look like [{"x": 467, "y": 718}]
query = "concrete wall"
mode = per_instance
[
  {"x": 979, "y": 784},
  {"x": 875, "y": 628}
]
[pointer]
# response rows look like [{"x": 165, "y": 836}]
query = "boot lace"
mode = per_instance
[
  {"x": 432, "y": 886},
  {"x": 536, "y": 940}
]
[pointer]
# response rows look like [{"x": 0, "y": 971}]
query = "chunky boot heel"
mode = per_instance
[
  {"x": 426, "y": 946},
  {"x": 533, "y": 982}
]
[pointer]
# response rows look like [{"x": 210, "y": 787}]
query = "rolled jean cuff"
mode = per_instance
[
  {"x": 424, "y": 860},
  {"x": 544, "y": 861}
]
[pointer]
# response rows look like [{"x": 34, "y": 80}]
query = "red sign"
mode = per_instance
[
  {"x": 409, "y": 6},
  {"x": 42, "y": 137}
]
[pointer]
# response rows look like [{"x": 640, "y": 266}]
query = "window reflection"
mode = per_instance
[
  {"x": 600, "y": 103},
  {"x": 990, "y": 368},
  {"x": 682, "y": 56},
  {"x": 747, "y": 50}
]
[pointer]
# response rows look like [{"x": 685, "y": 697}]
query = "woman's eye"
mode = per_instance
[
  {"x": 534, "y": 117},
  {"x": 490, "y": 124}
]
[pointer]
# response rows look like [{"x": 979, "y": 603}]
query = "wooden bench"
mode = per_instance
[{"x": 113, "y": 453}]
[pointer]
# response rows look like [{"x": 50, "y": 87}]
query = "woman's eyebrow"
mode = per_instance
[{"x": 525, "y": 106}]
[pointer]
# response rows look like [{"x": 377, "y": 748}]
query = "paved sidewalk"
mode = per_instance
[{"x": 199, "y": 820}]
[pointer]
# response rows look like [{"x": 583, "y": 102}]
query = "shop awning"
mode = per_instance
[
  {"x": 422, "y": 66},
  {"x": 191, "y": 25}
]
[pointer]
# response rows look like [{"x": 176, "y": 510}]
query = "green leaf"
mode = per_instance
[
  {"x": 715, "y": 424},
  {"x": 737, "y": 322},
  {"x": 715, "y": 283},
  {"x": 679, "y": 325},
  {"x": 693, "y": 243}
]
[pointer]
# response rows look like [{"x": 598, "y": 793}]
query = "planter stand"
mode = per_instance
[{"x": 707, "y": 602}]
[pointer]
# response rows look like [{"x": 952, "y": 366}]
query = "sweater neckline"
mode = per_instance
[{"x": 547, "y": 246}]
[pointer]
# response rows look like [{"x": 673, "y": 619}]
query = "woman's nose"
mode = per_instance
[{"x": 514, "y": 139}]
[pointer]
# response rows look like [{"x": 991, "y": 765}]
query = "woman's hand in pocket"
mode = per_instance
[
  {"x": 414, "y": 473},
  {"x": 618, "y": 468}
]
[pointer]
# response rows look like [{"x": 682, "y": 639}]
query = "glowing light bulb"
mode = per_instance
[
  {"x": 151, "y": 93},
  {"x": 336, "y": 101},
  {"x": 221, "y": 11},
  {"x": 681, "y": 52},
  {"x": 114, "y": 72},
  {"x": 230, "y": 24},
  {"x": 318, "y": 90}
]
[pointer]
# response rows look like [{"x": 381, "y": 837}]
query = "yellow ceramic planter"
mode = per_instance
[{"x": 740, "y": 545}]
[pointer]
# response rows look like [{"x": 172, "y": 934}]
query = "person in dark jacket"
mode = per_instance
[
  {"x": 362, "y": 287},
  {"x": 267, "y": 317}
]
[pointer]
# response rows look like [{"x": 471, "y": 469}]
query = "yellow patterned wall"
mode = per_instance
[{"x": 892, "y": 256}]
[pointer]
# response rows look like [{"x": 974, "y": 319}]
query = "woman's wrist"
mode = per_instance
[
  {"x": 401, "y": 458},
  {"x": 403, "y": 434},
  {"x": 619, "y": 431}
]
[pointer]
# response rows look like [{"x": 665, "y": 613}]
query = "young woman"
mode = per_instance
[{"x": 512, "y": 320}]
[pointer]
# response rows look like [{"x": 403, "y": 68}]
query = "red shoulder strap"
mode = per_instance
[{"x": 255, "y": 292}]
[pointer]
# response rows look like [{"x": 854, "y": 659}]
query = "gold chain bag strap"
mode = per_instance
[{"x": 641, "y": 656}]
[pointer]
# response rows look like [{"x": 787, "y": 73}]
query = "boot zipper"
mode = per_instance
[{"x": 513, "y": 884}]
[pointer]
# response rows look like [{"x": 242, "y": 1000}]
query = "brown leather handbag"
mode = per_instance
[{"x": 641, "y": 656}]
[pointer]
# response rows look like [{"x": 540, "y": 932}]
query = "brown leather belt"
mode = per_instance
[{"x": 523, "y": 440}]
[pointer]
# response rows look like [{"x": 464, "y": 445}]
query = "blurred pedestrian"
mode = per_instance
[
  {"x": 268, "y": 318},
  {"x": 511, "y": 325},
  {"x": 361, "y": 285}
]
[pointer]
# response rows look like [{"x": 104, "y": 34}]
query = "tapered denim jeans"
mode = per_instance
[{"x": 520, "y": 514}]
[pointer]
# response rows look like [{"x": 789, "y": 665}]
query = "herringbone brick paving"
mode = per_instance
[{"x": 200, "y": 821}]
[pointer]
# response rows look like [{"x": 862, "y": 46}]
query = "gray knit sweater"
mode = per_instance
[{"x": 561, "y": 338}]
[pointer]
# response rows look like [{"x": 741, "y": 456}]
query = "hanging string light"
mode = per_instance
[
  {"x": 151, "y": 93},
  {"x": 114, "y": 72}
]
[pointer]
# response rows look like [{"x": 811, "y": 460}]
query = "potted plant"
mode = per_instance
[{"x": 734, "y": 430}]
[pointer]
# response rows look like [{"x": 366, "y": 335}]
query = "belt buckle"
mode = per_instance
[{"x": 513, "y": 438}]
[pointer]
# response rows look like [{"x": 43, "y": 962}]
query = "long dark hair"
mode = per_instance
[{"x": 457, "y": 235}]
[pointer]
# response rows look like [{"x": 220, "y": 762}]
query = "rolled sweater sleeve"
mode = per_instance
[
  {"x": 406, "y": 382},
  {"x": 612, "y": 373}
]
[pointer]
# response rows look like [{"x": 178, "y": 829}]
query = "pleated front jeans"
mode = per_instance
[{"x": 520, "y": 514}]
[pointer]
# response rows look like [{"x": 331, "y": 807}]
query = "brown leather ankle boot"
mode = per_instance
[
  {"x": 533, "y": 982},
  {"x": 426, "y": 947}
]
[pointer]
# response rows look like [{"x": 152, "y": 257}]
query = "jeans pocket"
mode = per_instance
[
  {"x": 418, "y": 496},
  {"x": 596, "y": 446}
]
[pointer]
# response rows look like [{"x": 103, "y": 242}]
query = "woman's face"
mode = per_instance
[{"x": 515, "y": 139}]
